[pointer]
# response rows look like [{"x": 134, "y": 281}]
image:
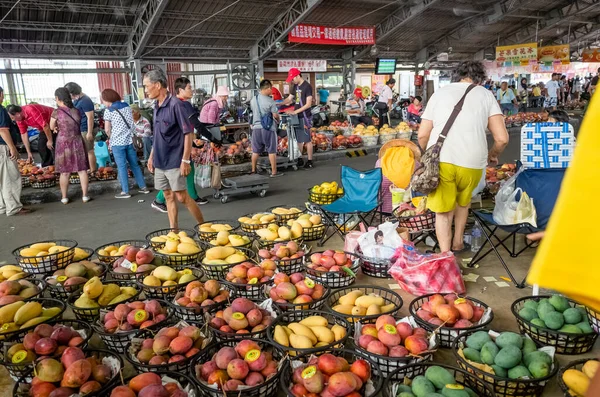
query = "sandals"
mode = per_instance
[{"x": 465, "y": 248}]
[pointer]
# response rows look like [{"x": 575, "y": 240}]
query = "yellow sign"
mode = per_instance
[
  {"x": 555, "y": 53},
  {"x": 517, "y": 55}
]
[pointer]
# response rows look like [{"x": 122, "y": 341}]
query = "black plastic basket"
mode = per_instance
[
  {"x": 179, "y": 366},
  {"x": 268, "y": 244},
  {"x": 294, "y": 311},
  {"x": 59, "y": 291},
  {"x": 332, "y": 319},
  {"x": 254, "y": 292},
  {"x": 564, "y": 342},
  {"x": 44, "y": 184},
  {"x": 313, "y": 233},
  {"x": 111, "y": 176},
  {"x": 577, "y": 365},
  {"x": 168, "y": 292},
  {"x": 23, "y": 385},
  {"x": 25, "y": 182},
  {"x": 282, "y": 219},
  {"x": 91, "y": 315},
  {"x": 46, "y": 264},
  {"x": 249, "y": 245},
  {"x": 350, "y": 356},
  {"x": 184, "y": 380},
  {"x": 462, "y": 377},
  {"x": 290, "y": 266},
  {"x": 416, "y": 223},
  {"x": 594, "y": 319},
  {"x": 174, "y": 260},
  {"x": 374, "y": 267},
  {"x": 207, "y": 236},
  {"x": 388, "y": 296},
  {"x": 219, "y": 272},
  {"x": 446, "y": 334},
  {"x": 89, "y": 251},
  {"x": 119, "y": 340},
  {"x": 19, "y": 334},
  {"x": 193, "y": 314},
  {"x": 336, "y": 279},
  {"x": 41, "y": 286},
  {"x": 251, "y": 227},
  {"x": 221, "y": 336},
  {"x": 503, "y": 387},
  {"x": 74, "y": 179},
  {"x": 321, "y": 198},
  {"x": 17, "y": 371},
  {"x": 109, "y": 260},
  {"x": 158, "y": 245},
  {"x": 267, "y": 389}
]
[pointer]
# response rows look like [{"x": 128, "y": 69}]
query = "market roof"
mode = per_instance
[{"x": 242, "y": 30}]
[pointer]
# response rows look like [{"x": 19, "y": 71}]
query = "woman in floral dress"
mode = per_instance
[{"x": 71, "y": 155}]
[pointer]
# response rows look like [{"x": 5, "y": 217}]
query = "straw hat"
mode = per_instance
[{"x": 401, "y": 142}]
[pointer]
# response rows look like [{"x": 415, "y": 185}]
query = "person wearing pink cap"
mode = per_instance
[{"x": 301, "y": 95}]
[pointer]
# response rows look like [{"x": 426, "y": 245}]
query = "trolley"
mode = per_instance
[{"x": 288, "y": 124}]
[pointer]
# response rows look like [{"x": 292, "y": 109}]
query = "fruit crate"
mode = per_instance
[
  {"x": 251, "y": 227},
  {"x": 411, "y": 371},
  {"x": 46, "y": 264},
  {"x": 389, "y": 297},
  {"x": 17, "y": 371},
  {"x": 109, "y": 260},
  {"x": 134, "y": 346},
  {"x": 92, "y": 314},
  {"x": 168, "y": 292},
  {"x": 576, "y": 365},
  {"x": 219, "y": 272},
  {"x": 282, "y": 219},
  {"x": 267, "y": 389},
  {"x": 447, "y": 334},
  {"x": 332, "y": 319},
  {"x": 23, "y": 386},
  {"x": 350, "y": 356},
  {"x": 502, "y": 387},
  {"x": 193, "y": 314},
  {"x": 59, "y": 291},
  {"x": 564, "y": 342},
  {"x": 207, "y": 236},
  {"x": 322, "y": 198},
  {"x": 294, "y": 311},
  {"x": 16, "y": 335},
  {"x": 313, "y": 233},
  {"x": 41, "y": 287},
  {"x": 255, "y": 292},
  {"x": 374, "y": 267},
  {"x": 185, "y": 381},
  {"x": 118, "y": 341},
  {"x": 159, "y": 245},
  {"x": 336, "y": 279}
]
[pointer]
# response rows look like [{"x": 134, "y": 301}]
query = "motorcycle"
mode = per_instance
[
  {"x": 320, "y": 115},
  {"x": 400, "y": 109}
]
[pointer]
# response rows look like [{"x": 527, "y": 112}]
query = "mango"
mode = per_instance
[
  {"x": 312, "y": 321},
  {"x": 368, "y": 300},
  {"x": 489, "y": 352},
  {"x": 350, "y": 298},
  {"x": 235, "y": 258},
  {"x": 520, "y": 371},
  {"x": 339, "y": 332},
  {"x": 7, "y": 312},
  {"x": 296, "y": 230},
  {"x": 439, "y": 376},
  {"x": 344, "y": 309},
  {"x": 509, "y": 338},
  {"x": 109, "y": 292},
  {"x": 84, "y": 302},
  {"x": 93, "y": 288},
  {"x": 508, "y": 357},
  {"x": 222, "y": 237},
  {"x": 50, "y": 311},
  {"x": 219, "y": 253},
  {"x": 35, "y": 321},
  {"x": 478, "y": 339},
  {"x": 300, "y": 329},
  {"x": 576, "y": 381},
  {"x": 281, "y": 336},
  {"x": 323, "y": 334},
  {"x": 421, "y": 386},
  {"x": 129, "y": 291},
  {"x": 300, "y": 342},
  {"x": 590, "y": 368},
  {"x": 28, "y": 311},
  {"x": 171, "y": 246},
  {"x": 119, "y": 298},
  {"x": 42, "y": 246},
  {"x": 165, "y": 273},
  {"x": 472, "y": 354},
  {"x": 29, "y": 252},
  {"x": 187, "y": 248}
]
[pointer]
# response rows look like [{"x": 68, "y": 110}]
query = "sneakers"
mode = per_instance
[
  {"x": 85, "y": 199},
  {"x": 159, "y": 207},
  {"x": 123, "y": 195},
  {"x": 309, "y": 164},
  {"x": 144, "y": 190},
  {"x": 276, "y": 175},
  {"x": 201, "y": 201},
  {"x": 65, "y": 201}
]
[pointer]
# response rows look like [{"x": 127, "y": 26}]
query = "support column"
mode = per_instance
[
  {"x": 137, "y": 88},
  {"x": 348, "y": 72},
  {"x": 13, "y": 96}
]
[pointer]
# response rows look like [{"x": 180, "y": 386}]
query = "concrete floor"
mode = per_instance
[{"x": 106, "y": 219}]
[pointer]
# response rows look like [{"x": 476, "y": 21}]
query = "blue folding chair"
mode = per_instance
[
  {"x": 542, "y": 185},
  {"x": 361, "y": 198}
]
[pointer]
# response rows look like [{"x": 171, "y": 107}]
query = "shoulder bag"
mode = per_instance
[
  {"x": 426, "y": 178},
  {"x": 266, "y": 120}
]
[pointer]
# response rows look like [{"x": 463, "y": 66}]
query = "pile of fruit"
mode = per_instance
[
  {"x": 45, "y": 341},
  {"x": 321, "y": 142},
  {"x": 116, "y": 251},
  {"x": 76, "y": 372},
  {"x": 133, "y": 315},
  {"x": 273, "y": 232},
  {"x": 337, "y": 125},
  {"x": 164, "y": 276},
  {"x": 500, "y": 173},
  {"x": 387, "y": 130},
  {"x": 525, "y": 117},
  {"x": 40, "y": 175},
  {"x": 450, "y": 311},
  {"x": 508, "y": 356},
  {"x": 329, "y": 375},
  {"x": 330, "y": 261},
  {"x": 215, "y": 227},
  {"x": 26, "y": 168},
  {"x": 176, "y": 244},
  {"x": 388, "y": 338},
  {"x": 106, "y": 173},
  {"x": 199, "y": 294},
  {"x": 22, "y": 315},
  {"x": 295, "y": 289},
  {"x": 134, "y": 260},
  {"x": 223, "y": 256},
  {"x": 11, "y": 273},
  {"x": 148, "y": 384},
  {"x": 578, "y": 381},
  {"x": 251, "y": 273},
  {"x": 354, "y": 141},
  {"x": 246, "y": 364},
  {"x": 42, "y": 249},
  {"x": 226, "y": 239},
  {"x": 361, "y": 130},
  {"x": 261, "y": 218},
  {"x": 96, "y": 294},
  {"x": 340, "y": 142},
  {"x": 170, "y": 345},
  {"x": 242, "y": 317},
  {"x": 311, "y": 332},
  {"x": 280, "y": 252},
  {"x": 73, "y": 276},
  {"x": 437, "y": 381},
  {"x": 557, "y": 314},
  {"x": 403, "y": 127},
  {"x": 357, "y": 303},
  {"x": 18, "y": 290},
  {"x": 327, "y": 188}
]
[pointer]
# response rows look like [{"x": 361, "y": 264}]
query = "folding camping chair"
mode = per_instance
[
  {"x": 361, "y": 198},
  {"x": 542, "y": 185}
]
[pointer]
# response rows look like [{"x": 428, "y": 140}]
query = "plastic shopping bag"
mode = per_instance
[
  {"x": 215, "y": 180},
  {"x": 525, "y": 212},
  {"x": 506, "y": 202},
  {"x": 480, "y": 185},
  {"x": 203, "y": 175},
  {"x": 380, "y": 243},
  {"x": 420, "y": 274}
]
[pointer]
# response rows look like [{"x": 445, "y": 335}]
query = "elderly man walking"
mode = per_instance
[{"x": 170, "y": 156}]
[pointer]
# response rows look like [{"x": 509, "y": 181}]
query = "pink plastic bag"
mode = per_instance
[{"x": 420, "y": 274}]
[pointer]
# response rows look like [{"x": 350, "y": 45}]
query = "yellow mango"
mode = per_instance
[
  {"x": 350, "y": 298},
  {"x": 284, "y": 233},
  {"x": 42, "y": 253},
  {"x": 296, "y": 230},
  {"x": 7, "y": 312},
  {"x": 42, "y": 246},
  {"x": 152, "y": 281},
  {"x": 123, "y": 248},
  {"x": 236, "y": 258},
  {"x": 359, "y": 311},
  {"x": 182, "y": 234},
  {"x": 29, "y": 252},
  {"x": 287, "y": 330},
  {"x": 590, "y": 368},
  {"x": 171, "y": 246},
  {"x": 56, "y": 249},
  {"x": 576, "y": 381},
  {"x": 300, "y": 342},
  {"x": 314, "y": 321},
  {"x": 266, "y": 234},
  {"x": 188, "y": 249},
  {"x": 219, "y": 252},
  {"x": 373, "y": 309},
  {"x": 387, "y": 308},
  {"x": 367, "y": 300},
  {"x": 339, "y": 332},
  {"x": 158, "y": 239},
  {"x": 256, "y": 217},
  {"x": 267, "y": 218},
  {"x": 172, "y": 236},
  {"x": 305, "y": 223},
  {"x": 300, "y": 329},
  {"x": 323, "y": 334},
  {"x": 214, "y": 262},
  {"x": 165, "y": 273},
  {"x": 344, "y": 309},
  {"x": 222, "y": 237},
  {"x": 244, "y": 219},
  {"x": 315, "y": 219},
  {"x": 281, "y": 336},
  {"x": 34, "y": 321},
  {"x": 28, "y": 311},
  {"x": 188, "y": 240},
  {"x": 120, "y": 298}
]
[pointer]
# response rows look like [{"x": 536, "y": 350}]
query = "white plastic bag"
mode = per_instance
[
  {"x": 203, "y": 175},
  {"x": 506, "y": 202},
  {"x": 525, "y": 212},
  {"x": 380, "y": 243}
]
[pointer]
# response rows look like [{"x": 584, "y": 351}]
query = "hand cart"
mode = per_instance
[
  {"x": 255, "y": 184},
  {"x": 288, "y": 123}
]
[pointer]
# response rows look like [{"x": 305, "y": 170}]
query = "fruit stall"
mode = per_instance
[{"x": 252, "y": 305}]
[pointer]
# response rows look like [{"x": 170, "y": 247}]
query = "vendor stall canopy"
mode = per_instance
[{"x": 246, "y": 30}]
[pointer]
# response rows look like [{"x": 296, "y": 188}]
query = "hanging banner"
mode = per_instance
[
  {"x": 312, "y": 34},
  {"x": 559, "y": 54},
  {"x": 304, "y": 65},
  {"x": 517, "y": 55},
  {"x": 591, "y": 55}
]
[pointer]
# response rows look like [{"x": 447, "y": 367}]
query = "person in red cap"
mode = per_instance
[
  {"x": 355, "y": 107},
  {"x": 301, "y": 95}
]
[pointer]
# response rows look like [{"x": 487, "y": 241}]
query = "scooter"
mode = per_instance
[{"x": 320, "y": 115}]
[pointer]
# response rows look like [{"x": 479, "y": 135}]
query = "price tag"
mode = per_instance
[{"x": 129, "y": 265}]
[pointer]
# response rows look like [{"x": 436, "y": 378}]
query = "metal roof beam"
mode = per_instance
[
  {"x": 208, "y": 35},
  {"x": 44, "y": 26},
  {"x": 43, "y": 43},
  {"x": 70, "y": 6},
  {"x": 196, "y": 16},
  {"x": 285, "y": 23},
  {"x": 144, "y": 26},
  {"x": 394, "y": 22}
]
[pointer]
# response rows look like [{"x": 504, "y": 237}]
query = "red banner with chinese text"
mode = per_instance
[{"x": 312, "y": 34}]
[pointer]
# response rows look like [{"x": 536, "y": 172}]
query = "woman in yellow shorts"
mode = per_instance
[{"x": 464, "y": 154}]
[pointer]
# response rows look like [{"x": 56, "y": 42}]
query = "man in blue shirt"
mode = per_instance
[
  {"x": 506, "y": 98},
  {"x": 84, "y": 104},
  {"x": 323, "y": 95},
  {"x": 169, "y": 160}
]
